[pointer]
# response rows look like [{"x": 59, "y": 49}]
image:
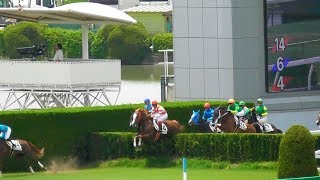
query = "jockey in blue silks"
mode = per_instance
[
  {"x": 5, "y": 132},
  {"x": 207, "y": 113},
  {"x": 147, "y": 105}
]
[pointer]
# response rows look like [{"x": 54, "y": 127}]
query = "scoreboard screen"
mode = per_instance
[{"x": 292, "y": 32}]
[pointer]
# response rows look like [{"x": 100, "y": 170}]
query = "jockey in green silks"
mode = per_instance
[
  {"x": 244, "y": 111},
  {"x": 262, "y": 111},
  {"x": 233, "y": 107}
]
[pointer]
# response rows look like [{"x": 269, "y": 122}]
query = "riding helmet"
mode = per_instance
[
  {"x": 231, "y": 101},
  {"x": 154, "y": 102},
  {"x": 242, "y": 103},
  {"x": 206, "y": 105}
]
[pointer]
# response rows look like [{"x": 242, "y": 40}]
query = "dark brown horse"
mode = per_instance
[
  {"x": 24, "y": 149},
  {"x": 228, "y": 122},
  {"x": 254, "y": 121},
  {"x": 147, "y": 129}
]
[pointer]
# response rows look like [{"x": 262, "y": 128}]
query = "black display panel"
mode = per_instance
[{"x": 292, "y": 31}]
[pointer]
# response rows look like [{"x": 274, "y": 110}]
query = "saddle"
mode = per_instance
[{"x": 14, "y": 145}]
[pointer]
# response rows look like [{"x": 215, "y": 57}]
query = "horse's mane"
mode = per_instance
[{"x": 142, "y": 110}]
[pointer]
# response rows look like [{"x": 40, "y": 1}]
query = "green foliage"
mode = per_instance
[
  {"x": 296, "y": 156},
  {"x": 1, "y": 43},
  {"x": 70, "y": 40},
  {"x": 193, "y": 163},
  {"x": 21, "y": 35},
  {"x": 162, "y": 41},
  {"x": 99, "y": 46},
  {"x": 130, "y": 43},
  {"x": 217, "y": 147}
]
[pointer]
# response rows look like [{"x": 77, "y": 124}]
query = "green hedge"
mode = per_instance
[
  {"x": 217, "y": 147},
  {"x": 162, "y": 41}
]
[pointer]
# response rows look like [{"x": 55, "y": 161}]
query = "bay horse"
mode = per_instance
[
  {"x": 147, "y": 129},
  {"x": 21, "y": 149},
  {"x": 203, "y": 127},
  {"x": 228, "y": 122},
  {"x": 254, "y": 121}
]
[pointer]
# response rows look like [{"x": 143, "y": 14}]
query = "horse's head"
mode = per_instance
[
  {"x": 219, "y": 112},
  {"x": 138, "y": 116},
  {"x": 194, "y": 119},
  {"x": 318, "y": 121}
]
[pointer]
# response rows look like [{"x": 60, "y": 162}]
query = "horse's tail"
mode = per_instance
[{"x": 38, "y": 153}]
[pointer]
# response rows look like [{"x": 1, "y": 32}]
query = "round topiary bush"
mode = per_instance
[
  {"x": 22, "y": 34},
  {"x": 296, "y": 154}
]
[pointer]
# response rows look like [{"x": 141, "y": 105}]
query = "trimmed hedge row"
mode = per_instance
[
  {"x": 217, "y": 147},
  {"x": 60, "y": 131}
]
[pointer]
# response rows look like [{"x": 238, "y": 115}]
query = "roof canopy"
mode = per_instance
[{"x": 82, "y": 13}]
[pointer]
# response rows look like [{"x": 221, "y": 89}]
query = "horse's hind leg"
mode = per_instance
[
  {"x": 31, "y": 170},
  {"x": 42, "y": 166},
  {"x": 135, "y": 141}
]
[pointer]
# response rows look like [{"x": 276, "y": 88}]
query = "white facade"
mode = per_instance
[{"x": 219, "y": 54}]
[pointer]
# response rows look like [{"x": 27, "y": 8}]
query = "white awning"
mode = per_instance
[{"x": 83, "y": 12}]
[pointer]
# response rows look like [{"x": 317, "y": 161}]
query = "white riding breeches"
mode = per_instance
[
  {"x": 159, "y": 117},
  {"x": 240, "y": 114},
  {"x": 263, "y": 119}
]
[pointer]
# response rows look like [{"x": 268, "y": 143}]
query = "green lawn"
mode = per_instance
[{"x": 148, "y": 174}]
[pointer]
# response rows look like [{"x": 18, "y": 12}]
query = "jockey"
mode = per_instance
[
  {"x": 147, "y": 105},
  {"x": 207, "y": 113},
  {"x": 5, "y": 133},
  {"x": 244, "y": 111},
  {"x": 159, "y": 114},
  {"x": 262, "y": 111},
  {"x": 233, "y": 107}
]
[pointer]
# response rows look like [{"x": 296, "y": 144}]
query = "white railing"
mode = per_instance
[{"x": 59, "y": 75}]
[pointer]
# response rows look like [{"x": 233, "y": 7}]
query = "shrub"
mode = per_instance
[
  {"x": 296, "y": 156},
  {"x": 99, "y": 46},
  {"x": 162, "y": 41},
  {"x": 130, "y": 43},
  {"x": 21, "y": 35}
]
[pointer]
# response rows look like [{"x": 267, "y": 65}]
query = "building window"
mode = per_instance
[{"x": 292, "y": 45}]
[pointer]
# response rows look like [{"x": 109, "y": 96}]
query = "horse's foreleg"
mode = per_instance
[
  {"x": 42, "y": 166},
  {"x": 31, "y": 170},
  {"x": 139, "y": 143},
  {"x": 135, "y": 141}
]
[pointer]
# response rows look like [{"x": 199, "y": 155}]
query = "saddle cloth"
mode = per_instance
[
  {"x": 164, "y": 127},
  {"x": 242, "y": 126},
  {"x": 15, "y": 145}
]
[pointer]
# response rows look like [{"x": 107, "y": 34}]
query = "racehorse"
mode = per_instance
[
  {"x": 258, "y": 126},
  {"x": 228, "y": 122},
  {"x": 147, "y": 129},
  {"x": 203, "y": 126},
  {"x": 21, "y": 148}
]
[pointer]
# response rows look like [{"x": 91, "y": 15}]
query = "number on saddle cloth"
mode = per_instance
[
  {"x": 267, "y": 127},
  {"x": 241, "y": 124},
  {"x": 14, "y": 144}
]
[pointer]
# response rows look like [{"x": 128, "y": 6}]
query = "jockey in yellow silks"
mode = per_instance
[{"x": 159, "y": 114}]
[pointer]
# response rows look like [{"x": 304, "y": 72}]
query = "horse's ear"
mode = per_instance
[{"x": 193, "y": 111}]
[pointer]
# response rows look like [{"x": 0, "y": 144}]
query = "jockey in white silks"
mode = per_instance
[{"x": 159, "y": 114}]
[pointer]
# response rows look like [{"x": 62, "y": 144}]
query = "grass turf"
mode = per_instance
[{"x": 147, "y": 174}]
